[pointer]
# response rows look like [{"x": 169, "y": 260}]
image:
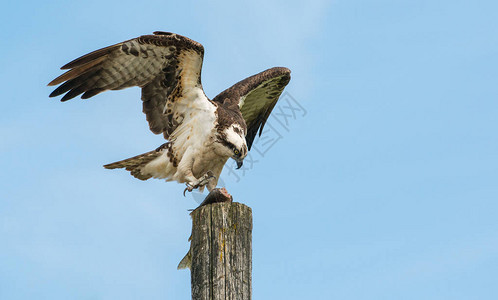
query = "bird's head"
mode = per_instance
[{"x": 234, "y": 143}]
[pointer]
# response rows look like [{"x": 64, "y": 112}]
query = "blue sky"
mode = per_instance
[{"x": 383, "y": 185}]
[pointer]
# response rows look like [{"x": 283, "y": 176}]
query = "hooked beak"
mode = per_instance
[{"x": 239, "y": 164}]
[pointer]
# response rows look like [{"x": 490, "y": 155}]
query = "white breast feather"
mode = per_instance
[{"x": 189, "y": 138}]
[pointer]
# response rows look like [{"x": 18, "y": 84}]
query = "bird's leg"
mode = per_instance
[{"x": 202, "y": 181}]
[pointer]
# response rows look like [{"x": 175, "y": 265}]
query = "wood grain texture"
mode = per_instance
[{"x": 221, "y": 252}]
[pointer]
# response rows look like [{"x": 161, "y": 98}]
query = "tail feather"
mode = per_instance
[{"x": 135, "y": 164}]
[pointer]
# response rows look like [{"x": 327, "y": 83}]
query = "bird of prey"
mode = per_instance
[{"x": 202, "y": 134}]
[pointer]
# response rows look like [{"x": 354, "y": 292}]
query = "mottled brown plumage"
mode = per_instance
[
  {"x": 134, "y": 164},
  {"x": 256, "y": 96},
  {"x": 202, "y": 133},
  {"x": 153, "y": 62}
]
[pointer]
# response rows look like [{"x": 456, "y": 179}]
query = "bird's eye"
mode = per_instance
[{"x": 236, "y": 152}]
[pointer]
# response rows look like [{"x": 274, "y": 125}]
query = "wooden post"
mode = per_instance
[{"x": 220, "y": 256}]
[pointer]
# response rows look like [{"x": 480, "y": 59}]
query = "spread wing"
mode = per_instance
[
  {"x": 256, "y": 96},
  {"x": 165, "y": 65}
]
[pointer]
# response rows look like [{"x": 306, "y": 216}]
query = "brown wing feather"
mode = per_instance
[
  {"x": 256, "y": 96},
  {"x": 165, "y": 65}
]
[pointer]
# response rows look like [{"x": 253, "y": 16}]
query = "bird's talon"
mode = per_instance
[
  {"x": 201, "y": 182},
  {"x": 188, "y": 188}
]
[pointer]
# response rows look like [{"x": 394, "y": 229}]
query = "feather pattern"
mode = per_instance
[
  {"x": 165, "y": 65},
  {"x": 202, "y": 134},
  {"x": 136, "y": 163},
  {"x": 256, "y": 96}
]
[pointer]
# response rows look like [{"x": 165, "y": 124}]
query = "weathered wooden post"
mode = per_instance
[{"x": 220, "y": 256}]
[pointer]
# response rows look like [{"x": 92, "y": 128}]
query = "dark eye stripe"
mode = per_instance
[{"x": 228, "y": 144}]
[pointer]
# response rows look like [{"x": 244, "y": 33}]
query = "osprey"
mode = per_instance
[{"x": 201, "y": 134}]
